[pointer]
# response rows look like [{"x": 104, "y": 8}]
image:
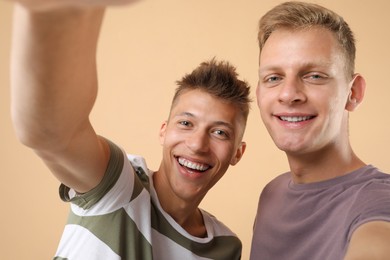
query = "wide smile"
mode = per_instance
[
  {"x": 295, "y": 119},
  {"x": 192, "y": 166}
]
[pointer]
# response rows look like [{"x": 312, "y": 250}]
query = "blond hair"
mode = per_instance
[{"x": 299, "y": 15}]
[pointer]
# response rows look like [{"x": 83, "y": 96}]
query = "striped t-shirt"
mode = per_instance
[{"x": 122, "y": 219}]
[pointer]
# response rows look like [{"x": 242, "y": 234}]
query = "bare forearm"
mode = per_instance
[{"x": 54, "y": 80}]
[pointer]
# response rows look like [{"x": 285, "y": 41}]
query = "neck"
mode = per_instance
[
  {"x": 184, "y": 211},
  {"x": 322, "y": 165}
]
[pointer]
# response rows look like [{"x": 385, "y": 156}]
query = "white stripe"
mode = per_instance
[
  {"x": 90, "y": 248},
  {"x": 118, "y": 196},
  {"x": 139, "y": 212},
  {"x": 167, "y": 249}
]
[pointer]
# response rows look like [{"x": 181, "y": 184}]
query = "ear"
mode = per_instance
[
  {"x": 240, "y": 151},
  {"x": 163, "y": 129},
  {"x": 356, "y": 94}
]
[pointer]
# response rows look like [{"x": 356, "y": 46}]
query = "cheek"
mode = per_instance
[
  {"x": 227, "y": 154},
  {"x": 264, "y": 103},
  {"x": 265, "y": 96},
  {"x": 333, "y": 103}
]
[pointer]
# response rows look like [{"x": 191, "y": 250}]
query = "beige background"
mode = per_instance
[{"x": 143, "y": 50}]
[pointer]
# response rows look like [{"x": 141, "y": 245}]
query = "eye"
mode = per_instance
[
  {"x": 221, "y": 134},
  {"x": 184, "y": 123},
  {"x": 316, "y": 78},
  {"x": 271, "y": 80}
]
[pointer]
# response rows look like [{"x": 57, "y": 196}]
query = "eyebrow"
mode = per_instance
[
  {"x": 222, "y": 123},
  {"x": 185, "y": 114},
  {"x": 305, "y": 65}
]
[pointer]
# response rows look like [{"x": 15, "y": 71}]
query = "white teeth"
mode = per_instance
[
  {"x": 193, "y": 165},
  {"x": 294, "y": 119}
]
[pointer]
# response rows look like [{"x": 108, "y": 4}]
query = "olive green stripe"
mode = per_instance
[
  {"x": 118, "y": 231},
  {"x": 113, "y": 171},
  {"x": 229, "y": 246}
]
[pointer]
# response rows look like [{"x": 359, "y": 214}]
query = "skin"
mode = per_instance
[
  {"x": 61, "y": 45},
  {"x": 370, "y": 242},
  {"x": 302, "y": 78},
  {"x": 201, "y": 130},
  {"x": 49, "y": 5},
  {"x": 52, "y": 102}
]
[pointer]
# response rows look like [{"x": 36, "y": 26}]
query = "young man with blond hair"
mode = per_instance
[{"x": 331, "y": 204}]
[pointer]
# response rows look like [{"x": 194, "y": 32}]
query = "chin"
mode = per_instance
[{"x": 290, "y": 148}]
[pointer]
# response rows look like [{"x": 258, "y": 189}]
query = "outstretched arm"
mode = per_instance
[
  {"x": 370, "y": 241},
  {"x": 54, "y": 86}
]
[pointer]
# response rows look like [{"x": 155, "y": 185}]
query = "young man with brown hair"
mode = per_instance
[{"x": 119, "y": 208}]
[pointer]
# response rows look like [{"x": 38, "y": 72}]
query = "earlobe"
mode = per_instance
[
  {"x": 162, "y": 132},
  {"x": 356, "y": 95},
  {"x": 240, "y": 151}
]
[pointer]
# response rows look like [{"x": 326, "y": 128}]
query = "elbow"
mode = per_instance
[
  {"x": 37, "y": 140},
  {"x": 35, "y": 136}
]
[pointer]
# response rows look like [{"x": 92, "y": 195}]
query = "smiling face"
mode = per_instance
[
  {"x": 200, "y": 140},
  {"x": 303, "y": 90}
]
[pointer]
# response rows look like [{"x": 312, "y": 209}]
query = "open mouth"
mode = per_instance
[
  {"x": 193, "y": 166},
  {"x": 295, "y": 119}
]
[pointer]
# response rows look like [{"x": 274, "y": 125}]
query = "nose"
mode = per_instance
[
  {"x": 292, "y": 92},
  {"x": 198, "y": 141}
]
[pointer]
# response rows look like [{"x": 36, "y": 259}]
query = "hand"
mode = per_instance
[{"x": 43, "y": 5}]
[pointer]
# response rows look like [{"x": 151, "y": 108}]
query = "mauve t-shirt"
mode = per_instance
[{"x": 315, "y": 221}]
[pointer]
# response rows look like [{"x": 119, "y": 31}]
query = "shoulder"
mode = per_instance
[
  {"x": 374, "y": 174},
  {"x": 370, "y": 210},
  {"x": 137, "y": 161},
  {"x": 280, "y": 182},
  {"x": 281, "y": 179},
  {"x": 372, "y": 186},
  {"x": 215, "y": 226}
]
